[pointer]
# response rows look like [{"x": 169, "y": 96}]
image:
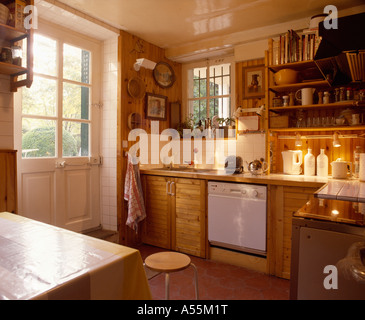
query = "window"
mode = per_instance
[
  {"x": 55, "y": 110},
  {"x": 209, "y": 90}
]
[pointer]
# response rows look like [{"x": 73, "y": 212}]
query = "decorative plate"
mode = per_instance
[{"x": 164, "y": 75}]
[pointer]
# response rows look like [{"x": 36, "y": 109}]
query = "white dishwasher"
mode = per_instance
[{"x": 237, "y": 216}]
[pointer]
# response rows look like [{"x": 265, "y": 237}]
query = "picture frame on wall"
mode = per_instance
[
  {"x": 253, "y": 82},
  {"x": 156, "y": 107}
]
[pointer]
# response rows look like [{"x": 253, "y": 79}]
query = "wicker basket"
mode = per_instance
[{"x": 4, "y": 14}]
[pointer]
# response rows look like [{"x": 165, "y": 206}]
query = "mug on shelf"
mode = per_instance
[{"x": 305, "y": 96}]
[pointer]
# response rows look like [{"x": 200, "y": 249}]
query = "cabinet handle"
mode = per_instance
[
  {"x": 167, "y": 187},
  {"x": 171, "y": 193}
]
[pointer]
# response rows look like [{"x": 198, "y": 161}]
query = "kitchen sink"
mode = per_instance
[{"x": 187, "y": 169}]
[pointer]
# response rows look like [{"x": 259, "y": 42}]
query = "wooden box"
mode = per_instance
[
  {"x": 16, "y": 9},
  {"x": 279, "y": 122}
]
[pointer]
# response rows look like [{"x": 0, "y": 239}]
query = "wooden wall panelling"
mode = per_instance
[
  {"x": 130, "y": 49},
  {"x": 345, "y": 152}
]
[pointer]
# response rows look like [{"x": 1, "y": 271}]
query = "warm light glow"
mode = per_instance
[
  {"x": 335, "y": 212},
  {"x": 336, "y": 141},
  {"x": 298, "y": 141}
]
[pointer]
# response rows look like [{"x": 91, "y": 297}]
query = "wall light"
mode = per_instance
[
  {"x": 145, "y": 63},
  {"x": 336, "y": 141},
  {"x": 261, "y": 110},
  {"x": 298, "y": 140}
]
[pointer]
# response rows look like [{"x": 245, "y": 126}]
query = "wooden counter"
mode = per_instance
[
  {"x": 286, "y": 195},
  {"x": 220, "y": 175}
]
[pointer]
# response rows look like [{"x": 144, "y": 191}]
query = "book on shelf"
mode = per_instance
[{"x": 294, "y": 46}]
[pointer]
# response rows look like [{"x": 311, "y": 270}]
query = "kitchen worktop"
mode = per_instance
[
  {"x": 346, "y": 190},
  {"x": 220, "y": 175},
  {"x": 344, "y": 212}
]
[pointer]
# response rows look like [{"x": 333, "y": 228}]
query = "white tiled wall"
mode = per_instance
[
  {"x": 251, "y": 146},
  {"x": 109, "y": 136},
  {"x": 6, "y": 114}
]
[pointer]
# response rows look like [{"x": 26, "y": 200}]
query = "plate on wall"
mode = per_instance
[{"x": 164, "y": 75}]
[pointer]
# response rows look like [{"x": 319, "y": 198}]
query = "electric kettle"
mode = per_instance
[{"x": 292, "y": 161}]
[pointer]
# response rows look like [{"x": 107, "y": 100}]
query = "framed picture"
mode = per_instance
[
  {"x": 175, "y": 112},
  {"x": 156, "y": 107},
  {"x": 254, "y": 82},
  {"x": 164, "y": 75}
]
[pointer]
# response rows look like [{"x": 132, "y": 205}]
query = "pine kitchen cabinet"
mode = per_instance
[
  {"x": 8, "y": 186},
  {"x": 284, "y": 201},
  {"x": 176, "y": 214}
]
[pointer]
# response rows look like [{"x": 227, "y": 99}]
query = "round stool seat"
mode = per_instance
[{"x": 168, "y": 261}]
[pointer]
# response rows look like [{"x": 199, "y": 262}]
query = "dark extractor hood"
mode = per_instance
[{"x": 341, "y": 53}]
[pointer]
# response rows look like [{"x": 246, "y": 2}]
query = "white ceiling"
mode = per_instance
[{"x": 175, "y": 24}]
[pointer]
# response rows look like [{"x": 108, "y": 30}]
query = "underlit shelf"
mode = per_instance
[
  {"x": 312, "y": 129},
  {"x": 340, "y": 105}
]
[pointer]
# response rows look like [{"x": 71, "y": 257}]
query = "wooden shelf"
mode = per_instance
[
  {"x": 11, "y": 69},
  {"x": 10, "y": 33},
  {"x": 338, "y": 105},
  {"x": 299, "y": 66},
  {"x": 299, "y": 85},
  {"x": 310, "y": 129}
]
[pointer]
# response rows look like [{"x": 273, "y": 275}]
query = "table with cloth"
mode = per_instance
[{"x": 40, "y": 261}]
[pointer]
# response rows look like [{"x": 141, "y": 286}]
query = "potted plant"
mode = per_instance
[
  {"x": 187, "y": 124},
  {"x": 226, "y": 123}
]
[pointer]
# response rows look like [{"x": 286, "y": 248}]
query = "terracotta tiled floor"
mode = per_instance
[{"x": 217, "y": 281}]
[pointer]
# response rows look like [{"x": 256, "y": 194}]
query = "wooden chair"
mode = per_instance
[{"x": 168, "y": 262}]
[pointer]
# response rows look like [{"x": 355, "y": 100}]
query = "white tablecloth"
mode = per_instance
[{"x": 39, "y": 261}]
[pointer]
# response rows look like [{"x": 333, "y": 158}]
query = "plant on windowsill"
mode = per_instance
[
  {"x": 187, "y": 124},
  {"x": 226, "y": 124}
]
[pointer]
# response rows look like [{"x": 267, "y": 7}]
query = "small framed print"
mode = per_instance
[
  {"x": 156, "y": 107},
  {"x": 254, "y": 82}
]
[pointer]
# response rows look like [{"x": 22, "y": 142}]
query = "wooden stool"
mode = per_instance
[{"x": 167, "y": 262}]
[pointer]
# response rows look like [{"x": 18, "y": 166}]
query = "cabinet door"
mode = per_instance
[
  {"x": 283, "y": 203},
  {"x": 156, "y": 227},
  {"x": 8, "y": 189},
  {"x": 188, "y": 219}
]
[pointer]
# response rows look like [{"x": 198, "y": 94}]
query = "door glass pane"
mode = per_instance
[
  {"x": 75, "y": 139},
  {"x": 39, "y": 138},
  {"x": 75, "y": 101},
  {"x": 76, "y": 64},
  {"x": 45, "y": 55},
  {"x": 41, "y": 98}
]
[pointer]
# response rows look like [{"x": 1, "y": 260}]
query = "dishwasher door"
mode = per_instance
[{"x": 237, "y": 218}]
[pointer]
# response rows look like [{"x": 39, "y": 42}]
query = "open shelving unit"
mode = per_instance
[
  {"x": 313, "y": 77},
  {"x": 19, "y": 75}
]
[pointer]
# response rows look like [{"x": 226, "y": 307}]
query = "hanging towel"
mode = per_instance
[{"x": 133, "y": 194}]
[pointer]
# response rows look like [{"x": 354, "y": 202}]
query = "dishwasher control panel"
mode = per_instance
[{"x": 239, "y": 190}]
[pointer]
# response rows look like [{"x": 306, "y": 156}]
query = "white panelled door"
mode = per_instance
[{"x": 57, "y": 130}]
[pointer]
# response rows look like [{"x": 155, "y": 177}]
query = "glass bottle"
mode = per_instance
[
  {"x": 309, "y": 164},
  {"x": 322, "y": 164},
  {"x": 357, "y": 152}
]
